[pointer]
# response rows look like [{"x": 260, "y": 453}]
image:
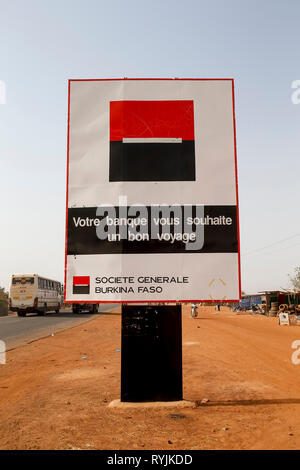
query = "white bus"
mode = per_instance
[{"x": 34, "y": 293}]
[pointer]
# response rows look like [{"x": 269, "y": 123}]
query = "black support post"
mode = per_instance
[{"x": 151, "y": 364}]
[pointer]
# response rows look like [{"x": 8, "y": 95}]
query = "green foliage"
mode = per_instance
[
  {"x": 3, "y": 307},
  {"x": 3, "y": 301},
  {"x": 3, "y": 294}
]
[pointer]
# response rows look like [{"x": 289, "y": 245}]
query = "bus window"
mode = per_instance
[{"x": 22, "y": 280}]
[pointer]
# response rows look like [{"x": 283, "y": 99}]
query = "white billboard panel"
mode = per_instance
[{"x": 152, "y": 208}]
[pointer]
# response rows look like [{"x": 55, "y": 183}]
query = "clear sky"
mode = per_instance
[{"x": 44, "y": 43}]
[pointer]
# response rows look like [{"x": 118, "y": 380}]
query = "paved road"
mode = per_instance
[{"x": 17, "y": 331}]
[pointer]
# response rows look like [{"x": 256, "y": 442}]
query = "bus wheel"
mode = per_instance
[
  {"x": 21, "y": 314},
  {"x": 41, "y": 313}
]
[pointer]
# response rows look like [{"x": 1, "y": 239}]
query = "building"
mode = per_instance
[{"x": 282, "y": 297}]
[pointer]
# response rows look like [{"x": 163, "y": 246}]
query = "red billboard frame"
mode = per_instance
[{"x": 236, "y": 186}]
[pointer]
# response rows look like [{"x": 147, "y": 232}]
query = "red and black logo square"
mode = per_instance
[
  {"x": 152, "y": 141},
  {"x": 81, "y": 284}
]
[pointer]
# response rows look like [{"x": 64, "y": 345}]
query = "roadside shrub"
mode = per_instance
[{"x": 3, "y": 307}]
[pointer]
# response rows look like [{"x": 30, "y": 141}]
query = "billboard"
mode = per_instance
[{"x": 152, "y": 203}]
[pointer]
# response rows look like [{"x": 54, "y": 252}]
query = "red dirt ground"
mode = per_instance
[{"x": 51, "y": 398}]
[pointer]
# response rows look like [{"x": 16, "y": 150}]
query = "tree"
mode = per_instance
[
  {"x": 295, "y": 279},
  {"x": 3, "y": 294},
  {"x": 3, "y": 301}
]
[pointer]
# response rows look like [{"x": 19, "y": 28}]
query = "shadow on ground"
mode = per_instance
[{"x": 275, "y": 401}]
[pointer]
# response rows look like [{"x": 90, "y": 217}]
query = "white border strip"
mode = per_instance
[{"x": 152, "y": 140}]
